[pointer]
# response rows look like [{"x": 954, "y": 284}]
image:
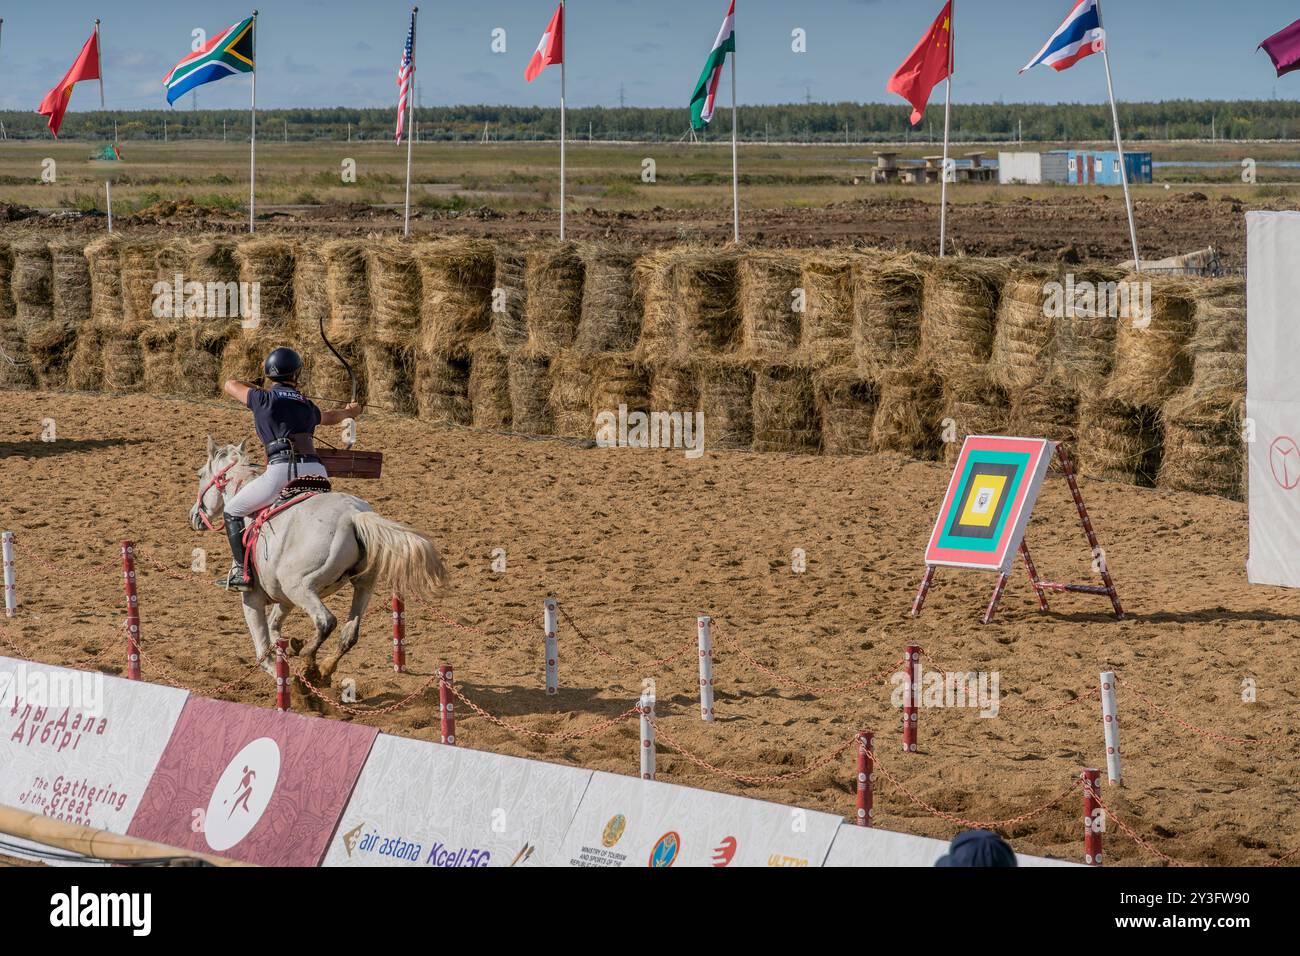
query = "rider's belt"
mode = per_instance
[{"x": 285, "y": 458}]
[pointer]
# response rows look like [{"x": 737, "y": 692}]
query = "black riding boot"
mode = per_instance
[{"x": 235, "y": 535}]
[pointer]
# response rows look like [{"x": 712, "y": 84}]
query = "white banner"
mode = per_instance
[
  {"x": 424, "y": 804},
  {"x": 1273, "y": 397},
  {"x": 870, "y": 846},
  {"x": 626, "y": 821},
  {"x": 79, "y": 746}
]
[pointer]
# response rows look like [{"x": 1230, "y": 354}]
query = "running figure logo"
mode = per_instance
[
  {"x": 242, "y": 793},
  {"x": 245, "y": 791}
]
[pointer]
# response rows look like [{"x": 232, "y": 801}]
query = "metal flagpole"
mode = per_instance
[
  {"x": 252, "y": 142},
  {"x": 947, "y": 113},
  {"x": 564, "y": 60},
  {"x": 410, "y": 127},
  {"x": 99, "y": 62},
  {"x": 735, "y": 168},
  {"x": 1119, "y": 145}
]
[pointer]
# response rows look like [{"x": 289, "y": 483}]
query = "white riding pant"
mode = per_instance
[{"x": 266, "y": 487}]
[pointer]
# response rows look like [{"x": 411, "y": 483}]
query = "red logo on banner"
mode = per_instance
[
  {"x": 1284, "y": 461},
  {"x": 725, "y": 853}
]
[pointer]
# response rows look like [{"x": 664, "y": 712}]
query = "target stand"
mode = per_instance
[{"x": 986, "y": 510}]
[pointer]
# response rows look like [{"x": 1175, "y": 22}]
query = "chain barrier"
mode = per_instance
[
  {"x": 613, "y": 658},
  {"x": 114, "y": 566},
  {"x": 1268, "y": 741},
  {"x": 470, "y": 628},
  {"x": 604, "y": 725},
  {"x": 963, "y": 822},
  {"x": 362, "y": 711},
  {"x": 4, "y": 636},
  {"x": 825, "y": 760}
]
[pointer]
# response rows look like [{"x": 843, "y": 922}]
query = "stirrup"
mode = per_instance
[{"x": 235, "y": 581}]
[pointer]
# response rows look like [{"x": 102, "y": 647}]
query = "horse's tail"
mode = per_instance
[{"x": 406, "y": 561}]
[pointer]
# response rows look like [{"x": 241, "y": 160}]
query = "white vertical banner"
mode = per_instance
[{"x": 1272, "y": 428}]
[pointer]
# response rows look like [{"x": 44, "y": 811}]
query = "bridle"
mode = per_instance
[{"x": 221, "y": 482}]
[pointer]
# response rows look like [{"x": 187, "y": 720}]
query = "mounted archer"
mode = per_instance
[{"x": 285, "y": 420}]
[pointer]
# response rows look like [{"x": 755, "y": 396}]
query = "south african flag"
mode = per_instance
[{"x": 230, "y": 51}]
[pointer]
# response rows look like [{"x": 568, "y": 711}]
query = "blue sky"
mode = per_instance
[{"x": 345, "y": 52}]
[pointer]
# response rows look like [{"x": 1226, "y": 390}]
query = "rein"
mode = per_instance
[{"x": 221, "y": 483}]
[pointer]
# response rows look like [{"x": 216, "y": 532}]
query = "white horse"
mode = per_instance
[{"x": 308, "y": 552}]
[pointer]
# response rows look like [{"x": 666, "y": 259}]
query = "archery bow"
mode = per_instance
[{"x": 352, "y": 376}]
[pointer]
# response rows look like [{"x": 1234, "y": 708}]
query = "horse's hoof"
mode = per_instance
[{"x": 295, "y": 644}]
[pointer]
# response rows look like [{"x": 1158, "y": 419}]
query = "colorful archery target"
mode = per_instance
[{"x": 989, "y": 501}]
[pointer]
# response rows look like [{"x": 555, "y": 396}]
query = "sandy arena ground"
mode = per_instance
[{"x": 635, "y": 543}]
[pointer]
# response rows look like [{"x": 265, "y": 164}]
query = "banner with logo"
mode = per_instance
[
  {"x": 626, "y": 821},
  {"x": 422, "y": 804},
  {"x": 252, "y": 784},
  {"x": 869, "y": 846},
  {"x": 80, "y": 746},
  {"x": 1273, "y": 397}
]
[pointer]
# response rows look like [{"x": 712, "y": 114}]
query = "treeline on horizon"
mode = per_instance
[{"x": 799, "y": 122}]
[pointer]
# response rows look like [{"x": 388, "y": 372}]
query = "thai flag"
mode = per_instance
[
  {"x": 1080, "y": 35},
  {"x": 404, "y": 70}
]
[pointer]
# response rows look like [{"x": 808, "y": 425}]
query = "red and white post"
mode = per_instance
[
  {"x": 1110, "y": 722},
  {"x": 132, "y": 612},
  {"x": 446, "y": 705},
  {"x": 283, "y": 703},
  {"x": 911, "y": 690},
  {"x": 647, "y": 709},
  {"x": 11, "y": 586},
  {"x": 704, "y": 628},
  {"x": 1094, "y": 818},
  {"x": 866, "y": 778},
  {"x": 399, "y": 635},
  {"x": 552, "y": 647}
]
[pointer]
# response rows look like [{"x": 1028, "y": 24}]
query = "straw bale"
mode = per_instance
[
  {"x": 827, "y": 329},
  {"x": 767, "y": 284},
  {"x": 887, "y": 308},
  {"x": 553, "y": 282},
  {"x": 456, "y": 277}
]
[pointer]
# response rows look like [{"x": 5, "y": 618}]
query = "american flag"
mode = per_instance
[{"x": 404, "y": 72}]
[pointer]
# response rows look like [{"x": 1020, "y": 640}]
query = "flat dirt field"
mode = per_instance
[
  {"x": 791, "y": 196},
  {"x": 635, "y": 543}
]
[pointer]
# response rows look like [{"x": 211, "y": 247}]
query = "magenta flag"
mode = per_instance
[{"x": 1283, "y": 48}]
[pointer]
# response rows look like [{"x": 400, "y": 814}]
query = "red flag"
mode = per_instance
[
  {"x": 551, "y": 49},
  {"x": 929, "y": 63},
  {"x": 86, "y": 68}
]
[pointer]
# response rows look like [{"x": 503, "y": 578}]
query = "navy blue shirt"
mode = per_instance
[{"x": 281, "y": 411}]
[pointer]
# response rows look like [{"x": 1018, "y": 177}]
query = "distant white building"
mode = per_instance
[{"x": 1023, "y": 169}]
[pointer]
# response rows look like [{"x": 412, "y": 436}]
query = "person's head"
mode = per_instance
[
  {"x": 978, "y": 848},
  {"x": 284, "y": 365}
]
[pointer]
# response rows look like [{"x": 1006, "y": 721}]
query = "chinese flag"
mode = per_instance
[
  {"x": 551, "y": 49},
  {"x": 86, "y": 68},
  {"x": 929, "y": 63}
]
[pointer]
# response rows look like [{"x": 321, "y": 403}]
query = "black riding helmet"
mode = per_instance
[{"x": 282, "y": 365}]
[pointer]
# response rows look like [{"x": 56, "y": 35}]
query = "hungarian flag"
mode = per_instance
[
  {"x": 551, "y": 49},
  {"x": 1283, "y": 48},
  {"x": 925, "y": 66},
  {"x": 706, "y": 88},
  {"x": 86, "y": 68},
  {"x": 227, "y": 53}
]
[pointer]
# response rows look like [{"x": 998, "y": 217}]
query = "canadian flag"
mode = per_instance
[{"x": 551, "y": 49}]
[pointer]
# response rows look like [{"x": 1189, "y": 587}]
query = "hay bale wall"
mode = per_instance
[{"x": 892, "y": 353}]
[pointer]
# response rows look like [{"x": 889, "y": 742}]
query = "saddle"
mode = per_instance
[
  {"x": 313, "y": 483},
  {"x": 295, "y": 492}
]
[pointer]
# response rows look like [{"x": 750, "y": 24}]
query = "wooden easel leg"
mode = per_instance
[
  {"x": 1033, "y": 576},
  {"x": 925, "y": 589},
  {"x": 1098, "y": 555},
  {"x": 997, "y": 596}
]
